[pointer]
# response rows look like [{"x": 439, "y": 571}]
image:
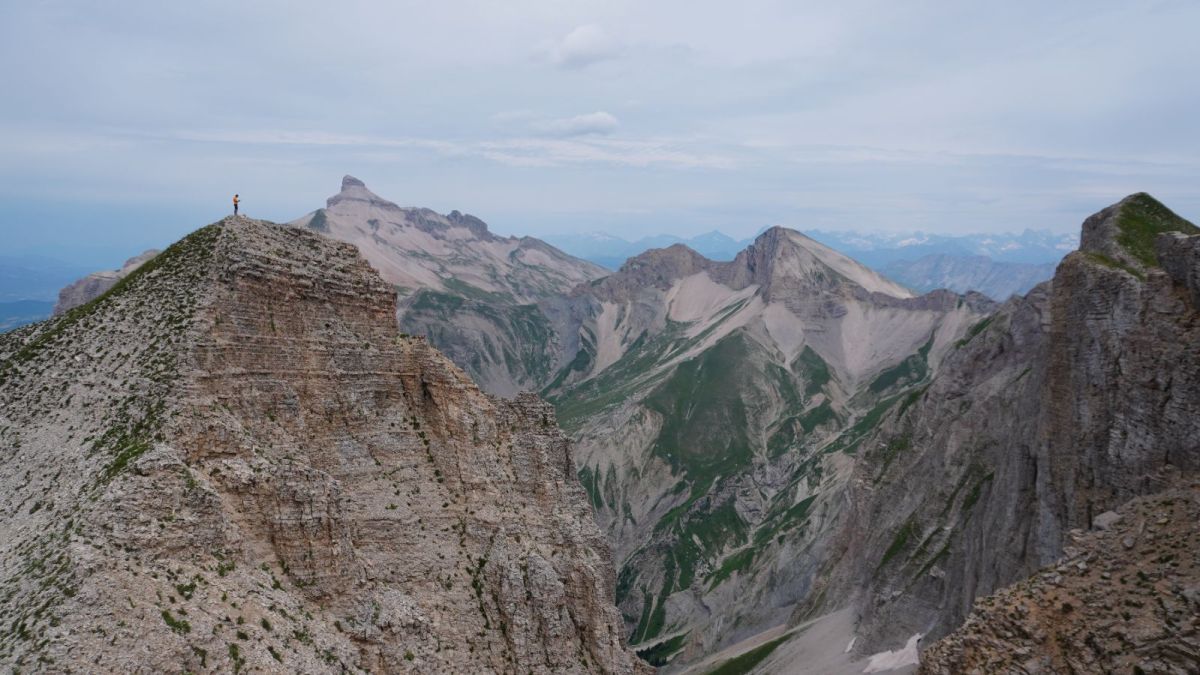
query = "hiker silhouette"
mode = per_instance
[{"x": 235, "y": 204}]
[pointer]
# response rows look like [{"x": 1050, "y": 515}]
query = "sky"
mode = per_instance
[{"x": 127, "y": 124}]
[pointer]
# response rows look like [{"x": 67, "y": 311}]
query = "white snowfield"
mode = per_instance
[{"x": 888, "y": 661}]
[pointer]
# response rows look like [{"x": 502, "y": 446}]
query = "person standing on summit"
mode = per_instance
[{"x": 235, "y": 204}]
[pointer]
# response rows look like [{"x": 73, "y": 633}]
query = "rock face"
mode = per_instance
[
  {"x": 234, "y": 461},
  {"x": 473, "y": 294},
  {"x": 1124, "y": 599},
  {"x": 962, "y": 273},
  {"x": 95, "y": 284},
  {"x": 717, "y": 408},
  {"x": 1061, "y": 406}
]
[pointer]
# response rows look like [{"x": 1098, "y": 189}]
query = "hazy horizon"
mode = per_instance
[{"x": 131, "y": 123}]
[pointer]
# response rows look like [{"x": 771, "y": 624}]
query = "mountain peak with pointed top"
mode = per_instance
[
  {"x": 781, "y": 254},
  {"x": 1125, "y": 232},
  {"x": 354, "y": 190}
]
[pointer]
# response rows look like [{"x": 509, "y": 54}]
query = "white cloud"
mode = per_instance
[
  {"x": 595, "y": 123},
  {"x": 583, "y": 46},
  {"x": 562, "y": 152}
]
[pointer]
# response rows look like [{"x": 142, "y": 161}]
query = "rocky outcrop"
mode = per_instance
[
  {"x": 1059, "y": 407},
  {"x": 1124, "y": 598},
  {"x": 235, "y": 461},
  {"x": 97, "y": 283},
  {"x": 477, "y": 296}
]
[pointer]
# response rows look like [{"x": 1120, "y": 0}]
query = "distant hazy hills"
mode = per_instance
[
  {"x": 997, "y": 265},
  {"x": 28, "y": 287},
  {"x": 20, "y": 312},
  {"x": 998, "y": 280}
]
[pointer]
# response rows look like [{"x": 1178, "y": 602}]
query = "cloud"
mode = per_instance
[
  {"x": 590, "y": 124},
  {"x": 563, "y": 152},
  {"x": 582, "y": 47}
]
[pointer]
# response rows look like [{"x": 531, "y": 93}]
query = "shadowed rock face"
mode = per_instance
[
  {"x": 1062, "y": 405},
  {"x": 235, "y": 461},
  {"x": 1123, "y": 598},
  {"x": 95, "y": 284}
]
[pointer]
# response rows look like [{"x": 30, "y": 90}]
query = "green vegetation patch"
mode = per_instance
[
  {"x": 700, "y": 532},
  {"x": 815, "y": 369},
  {"x": 591, "y": 483},
  {"x": 705, "y": 421},
  {"x": 746, "y": 662},
  {"x": 893, "y": 449},
  {"x": 853, "y": 437},
  {"x": 977, "y": 489},
  {"x": 662, "y": 653},
  {"x": 1141, "y": 219},
  {"x": 738, "y": 562},
  {"x": 1114, "y": 264},
  {"x": 906, "y": 532},
  {"x": 782, "y": 518},
  {"x": 974, "y": 330},
  {"x": 819, "y": 415}
]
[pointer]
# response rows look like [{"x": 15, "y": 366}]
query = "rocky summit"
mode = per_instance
[
  {"x": 474, "y": 294},
  {"x": 234, "y": 461}
]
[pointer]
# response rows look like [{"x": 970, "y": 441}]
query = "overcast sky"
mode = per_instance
[{"x": 126, "y": 124}]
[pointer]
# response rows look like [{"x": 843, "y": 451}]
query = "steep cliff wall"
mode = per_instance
[
  {"x": 1062, "y": 405},
  {"x": 233, "y": 460}
]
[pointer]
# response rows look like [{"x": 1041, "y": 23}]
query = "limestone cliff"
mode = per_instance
[
  {"x": 1060, "y": 406},
  {"x": 233, "y": 461}
]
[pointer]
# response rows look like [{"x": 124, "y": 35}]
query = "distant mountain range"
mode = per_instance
[
  {"x": 997, "y": 280},
  {"x": 997, "y": 265}
]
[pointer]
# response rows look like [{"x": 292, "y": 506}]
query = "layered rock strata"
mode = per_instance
[{"x": 233, "y": 461}]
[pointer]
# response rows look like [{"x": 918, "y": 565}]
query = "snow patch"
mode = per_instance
[{"x": 906, "y": 656}]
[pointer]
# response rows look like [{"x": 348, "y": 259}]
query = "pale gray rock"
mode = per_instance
[
  {"x": 1106, "y": 520},
  {"x": 235, "y": 462},
  {"x": 476, "y": 296}
]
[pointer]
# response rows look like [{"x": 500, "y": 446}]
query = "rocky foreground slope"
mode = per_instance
[
  {"x": 1124, "y": 598},
  {"x": 233, "y": 461}
]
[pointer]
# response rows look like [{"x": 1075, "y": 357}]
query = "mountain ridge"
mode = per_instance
[{"x": 273, "y": 477}]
